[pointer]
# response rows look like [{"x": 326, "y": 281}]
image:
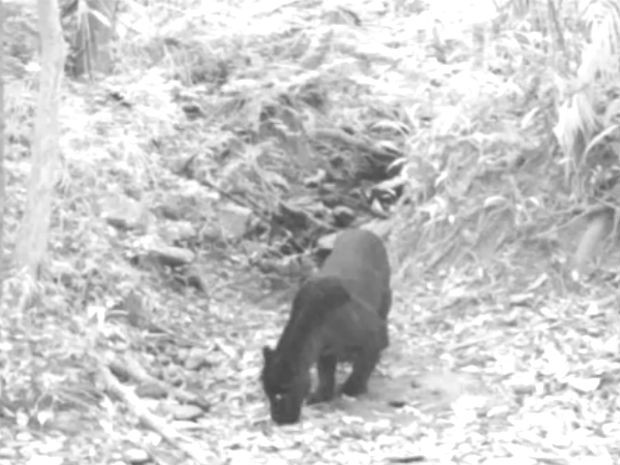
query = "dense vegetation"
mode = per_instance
[{"x": 208, "y": 152}]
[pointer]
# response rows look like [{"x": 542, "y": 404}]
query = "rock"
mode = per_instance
[
  {"x": 343, "y": 216},
  {"x": 125, "y": 213},
  {"x": 234, "y": 220},
  {"x": 151, "y": 390},
  {"x": 136, "y": 456},
  {"x": 193, "y": 111},
  {"x": 174, "y": 231},
  {"x": 186, "y": 412},
  {"x": 294, "y": 216},
  {"x": 210, "y": 233},
  {"x": 197, "y": 359},
  {"x": 171, "y": 256},
  {"x": 170, "y": 212},
  {"x": 326, "y": 243}
]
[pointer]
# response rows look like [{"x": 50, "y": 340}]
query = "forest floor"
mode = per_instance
[
  {"x": 474, "y": 374},
  {"x": 501, "y": 362}
]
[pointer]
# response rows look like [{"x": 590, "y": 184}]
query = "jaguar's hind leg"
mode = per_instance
[
  {"x": 364, "y": 364},
  {"x": 386, "y": 304},
  {"x": 327, "y": 379}
]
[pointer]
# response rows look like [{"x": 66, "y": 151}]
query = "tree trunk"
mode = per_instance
[
  {"x": 2, "y": 188},
  {"x": 33, "y": 235}
]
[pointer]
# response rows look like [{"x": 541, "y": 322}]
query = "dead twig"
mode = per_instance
[
  {"x": 132, "y": 369},
  {"x": 185, "y": 444}
]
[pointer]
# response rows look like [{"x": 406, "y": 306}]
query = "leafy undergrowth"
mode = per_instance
[{"x": 506, "y": 361}]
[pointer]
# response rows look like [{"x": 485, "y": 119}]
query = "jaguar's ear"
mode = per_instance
[{"x": 267, "y": 353}]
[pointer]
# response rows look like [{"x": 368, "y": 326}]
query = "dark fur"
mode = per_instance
[{"x": 338, "y": 315}]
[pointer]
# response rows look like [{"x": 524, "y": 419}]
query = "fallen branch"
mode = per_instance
[
  {"x": 132, "y": 369},
  {"x": 157, "y": 424}
]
